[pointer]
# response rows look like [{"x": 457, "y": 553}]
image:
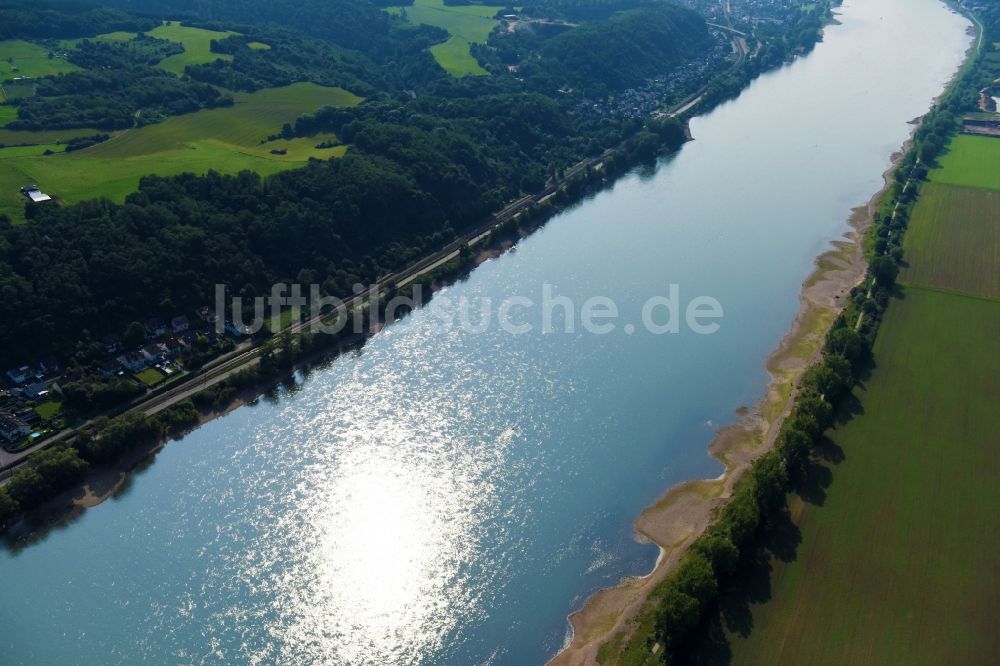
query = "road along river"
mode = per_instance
[{"x": 448, "y": 495}]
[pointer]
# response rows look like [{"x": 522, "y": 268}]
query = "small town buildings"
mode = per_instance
[
  {"x": 154, "y": 353},
  {"x": 12, "y": 428},
  {"x": 132, "y": 361},
  {"x": 179, "y": 324},
  {"x": 207, "y": 314},
  {"x": 982, "y": 127},
  {"x": 109, "y": 368},
  {"x": 20, "y": 375},
  {"x": 112, "y": 344},
  {"x": 188, "y": 339},
  {"x": 154, "y": 327},
  {"x": 50, "y": 366},
  {"x": 171, "y": 346},
  {"x": 34, "y": 194},
  {"x": 36, "y": 391},
  {"x": 237, "y": 330}
]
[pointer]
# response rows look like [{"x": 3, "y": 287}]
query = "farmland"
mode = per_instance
[
  {"x": 467, "y": 25},
  {"x": 971, "y": 161},
  {"x": 118, "y": 36},
  {"x": 196, "y": 44},
  {"x": 227, "y": 140},
  {"x": 897, "y": 561},
  {"x": 31, "y": 60},
  {"x": 952, "y": 243},
  {"x": 898, "y": 565}
]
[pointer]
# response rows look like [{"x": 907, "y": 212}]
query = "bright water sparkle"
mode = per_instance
[{"x": 450, "y": 498}]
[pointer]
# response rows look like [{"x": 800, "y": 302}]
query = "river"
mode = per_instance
[{"x": 448, "y": 496}]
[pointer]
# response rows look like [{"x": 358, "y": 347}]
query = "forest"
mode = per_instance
[{"x": 423, "y": 165}]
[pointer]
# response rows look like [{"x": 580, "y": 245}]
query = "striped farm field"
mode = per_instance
[
  {"x": 953, "y": 241},
  {"x": 893, "y": 557},
  {"x": 899, "y": 563}
]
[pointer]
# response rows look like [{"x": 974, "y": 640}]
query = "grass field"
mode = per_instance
[
  {"x": 47, "y": 410},
  {"x": 7, "y": 114},
  {"x": 150, "y": 377},
  {"x": 899, "y": 565},
  {"x": 467, "y": 24},
  {"x": 107, "y": 37},
  {"x": 952, "y": 242},
  {"x": 28, "y": 59},
  {"x": 196, "y": 43},
  {"x": 24, "y": 138},
  {"x": 971, "y": 161},
  {"x": 225, "y": 140},
  {"x": 897, "y": 562}
]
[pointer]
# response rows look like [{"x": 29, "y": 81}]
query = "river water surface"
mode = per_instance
[{"x": 448, "y": 497}]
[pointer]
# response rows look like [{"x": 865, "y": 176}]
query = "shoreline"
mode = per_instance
[
  {"x": 685, "y": 510},
  {"x": 682, "y": 513}
]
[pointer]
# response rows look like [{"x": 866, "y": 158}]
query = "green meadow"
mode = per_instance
[
  {"x": 226, "y": 140},
  {"x": 468, "y": 24},
  {"x": 196, "y": 42},
  {"x": 897, "y": 562},
  {"x": 971, "y": 161},
  {"x": 27, "y": 138},
  {"x": 899, "y": 565},
  {"x": 952, "y": 243},
  {"x": 118, "y": 36},
  {"x": 20, "y": 58}
]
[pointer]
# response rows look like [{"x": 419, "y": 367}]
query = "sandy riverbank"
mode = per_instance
[{"x": 682, "y": 513}]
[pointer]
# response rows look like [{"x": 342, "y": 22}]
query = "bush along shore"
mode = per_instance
[
  {"x": 687, "y": 598},
  {"x": 52, "y": 472},
  {"x": 65, "y": 466}
]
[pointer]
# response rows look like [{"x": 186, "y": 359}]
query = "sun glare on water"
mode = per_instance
[{"x": 368, "y": 559}]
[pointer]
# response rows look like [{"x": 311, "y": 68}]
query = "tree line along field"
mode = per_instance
[
  {"x": 467, "y": 24},
  {"x": 897, "y": 561},
  {"x": 20, "y": 58},
  {"x": 196, "y": 43},
  {"x": 227, "y": 140}
]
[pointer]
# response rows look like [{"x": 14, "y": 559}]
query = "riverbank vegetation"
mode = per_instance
[
  {"x": 423, "y": 165},
  {"x": 864, "y": 507},
  {"x": 105, "y": 440}
]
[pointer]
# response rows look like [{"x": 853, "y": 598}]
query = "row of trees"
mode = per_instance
[
  {"x": 419, "y": 171},
  {"x": 691, "y": 592},
  {"x": 760, "y": 497},
  {"x": 57, "y": 469},
  {"x": 33, "y": 20},
  {"x": 118, "y": 87}
]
